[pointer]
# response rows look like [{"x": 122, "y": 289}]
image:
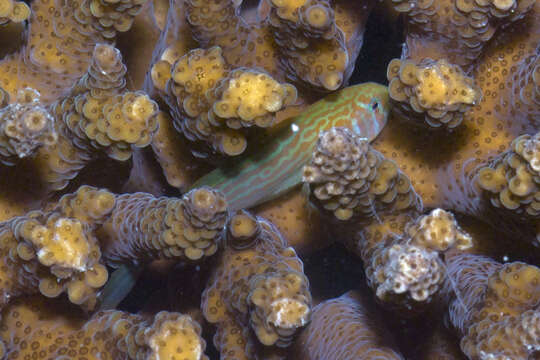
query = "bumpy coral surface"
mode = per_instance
[
  {"x": 258, "y": 286},
  {"x": 15, "y": 11},
  {"x": 152, "y": 155},
  {"x": 34, "y": 327},
  {"x": 495, "y": 307},
  {"x": 142, "y": 228},
  {"x": 432, "y": 91},
  {"x": 309, "y": 43},
  {"x": 211, "y": 103},
  {"x": 349, "y": 179},
  {"x": 402, "y": 256},
  {"x": 25, "y": 126},
  {"x": 346, "y": 328}
]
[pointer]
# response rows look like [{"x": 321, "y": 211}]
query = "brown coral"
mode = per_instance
[
  {"x": 55, "y": 252},
  {"x": 24, "y": 126},
  {"x": 295, "y": 38},
  {"x": 143, "y": 228},
  {"x": 511, "y": 182},
  {"x": 456, "y": 29},
  {"x": 97, "y": 116},
  {"x": 402, "y": 256},
  {"x": 442, "y": 167},
  {"x": 526, "y": 89},
  {"x": 15, "y": 11},
  {"x": 173, "y": 155},
  {"x": 435, "y": 93},
  {"x": 61, "y": 40},
  {"x": 347, "y": 327},
  {"x": 312, "y": 43},
  {"x": 213, "y": 105},
  {"x": 259, "y": 285},
  {"x": 350, "y": 180},
  {"x": 495, "y": 307},
  {"x": 56, "y": 333},
  {"x": 313, "y": 47}
]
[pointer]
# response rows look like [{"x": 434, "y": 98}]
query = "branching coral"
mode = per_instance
[
  {"x": 346, "y": 328},
  {"x": 350, "y": 180},
  {"x": 259, "y": 284},
  {"x": 214, "y": 105},
  {"x": 402, "y": 256},
  {"x": 442, "y": 167},
  {"x": 312, "y": 45},
  {"x": 38, "y": 328},
  {"x": 296, "y": 38},
  {"x": 435, "y": 93},
  {"x": 308, "y": 42},
  {"x": 24, "y": 126},
  {"x": 511, "y": 183},
  {"x": 98, "y": 115},
  {"x": 57, "y": 251},
  {"x": 468, "y": 66},
  {"x": 143, "y": 228},
  {"x": 61, "y": 40},
  {"x": 495, "y": 307},
  {"x": 444, "y": 38},
  {"x": 456, "y": 29}
]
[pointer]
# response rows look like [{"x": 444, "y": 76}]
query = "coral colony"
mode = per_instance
[{"x": 169, "y": 168}]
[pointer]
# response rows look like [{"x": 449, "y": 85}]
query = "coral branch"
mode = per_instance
[
  {"x": 98, "y": 115},
  {"x": 143, "y": 228},
  {"x": 347, "y": 327},
  {"x": 25, "y": 126},
  {"x": 259, "y": 284},
  {"x": 55, "y": 332},
  {"x": 435, "y": 93},
  {"x": 495, "y": 307},
  {"x": 402, "y": 257},
  {"x": 55, "y": 252},
  {"x": 61, "y": 39},
  {"x": 511, "y": 184},
  {"x": 456, "y": 30},
  {"x": 351, "y": 181},
  {"x": 213, "y": 105}
]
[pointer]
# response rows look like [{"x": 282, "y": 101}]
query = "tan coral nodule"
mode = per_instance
[
  {"x": 213, "y": 104},
  {"x": 511, "y": 182},
  {"x": 500, "y": 318},
  {"x": 433, "y": 93},
  {"x": 403, "y": 257},
  {"x": 188, "y": 229},
  {"x": 51, "y": 254},
  {"x": 351, "y": 181},
  {"x": 15, "y": 11},
  {"x": 258, "y": 294},
  {"x": 25, "y": 126}
]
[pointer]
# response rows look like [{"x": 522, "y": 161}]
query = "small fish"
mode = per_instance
[{"x": 277, "y": 166}]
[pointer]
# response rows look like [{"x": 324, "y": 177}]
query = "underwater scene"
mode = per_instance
[{"x": 270, "y": 179}]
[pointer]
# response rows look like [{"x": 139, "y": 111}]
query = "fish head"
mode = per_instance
[{"x": 371, "y": 109}]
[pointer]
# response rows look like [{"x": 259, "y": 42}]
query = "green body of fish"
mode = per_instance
[{"x": 277, "y": 166}]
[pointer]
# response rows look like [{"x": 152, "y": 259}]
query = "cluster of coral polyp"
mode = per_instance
[{"x": 430, "y": 185}]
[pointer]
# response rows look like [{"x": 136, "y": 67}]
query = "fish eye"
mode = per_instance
[{"x": 374, "y": 105}]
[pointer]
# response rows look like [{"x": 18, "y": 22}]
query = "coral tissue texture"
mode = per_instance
[{"x": 269, "y": 179}]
